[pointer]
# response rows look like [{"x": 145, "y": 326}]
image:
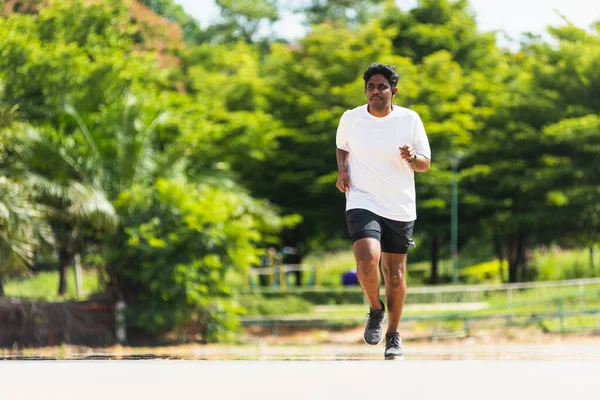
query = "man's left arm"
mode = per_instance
[{"x": 418, "y": 162}]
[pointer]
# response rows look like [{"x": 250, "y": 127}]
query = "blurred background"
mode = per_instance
[{"x": 167, "y": 168}]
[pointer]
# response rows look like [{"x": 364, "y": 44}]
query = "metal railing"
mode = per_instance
[
  {"x": 475, "y": 292},
  {"x": 444, "y": 293},
  {"x": 554, "y": 315},
  {"x": 278, "y": 276}
]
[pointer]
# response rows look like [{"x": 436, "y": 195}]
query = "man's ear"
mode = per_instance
[{"x": 394, "y": 91}]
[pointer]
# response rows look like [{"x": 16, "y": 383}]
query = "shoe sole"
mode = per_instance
[
  {"x": 393, "y": 357},
  {"x": 373, "y": 344}
]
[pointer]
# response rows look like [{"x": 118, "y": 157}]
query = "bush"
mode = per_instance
[
  {"x": 558, "y": 264},
  {"x": 179, "y": 248},
  {"x": 486, "y": 272}
]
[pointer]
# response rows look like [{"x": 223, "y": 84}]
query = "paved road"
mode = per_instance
[
  {"x": 291, "y": 380},
  {"x": 522, "y": 352}
]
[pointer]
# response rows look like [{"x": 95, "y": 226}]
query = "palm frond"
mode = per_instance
[
  {"x": 70, "y": 109},
  {"x": 43, "y": 187},
  {"x": 8, "y": 116},
  {"x": 21, "y": 221},
  {"x": 92, "y": 205},
  {"x": 144, "y": 162},
  {"x": 60, "y": 154},
  {"x": 16, "y": 254},
  {"x": 4, "y": 211}
]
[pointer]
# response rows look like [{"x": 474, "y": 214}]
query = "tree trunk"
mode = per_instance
[
  {"x": 512, "y": 272},
  {"x": 523, "y": 275},
  {"x": 592, "y": 265},
  {"x": 65, "y": 257},
  {"x": 1, "y": 285},
  {"x": 435, "y": 257},
  {"x": 499, "y": 250},
  {"x": 516, "y": 250}
]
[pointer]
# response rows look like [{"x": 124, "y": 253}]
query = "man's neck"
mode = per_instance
[{"x": 380, "y": 114}]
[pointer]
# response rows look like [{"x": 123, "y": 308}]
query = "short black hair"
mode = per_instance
[{"x": 387, "y": 71}]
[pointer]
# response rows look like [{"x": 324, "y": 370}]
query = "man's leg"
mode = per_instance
[
  {"x": 367, "y": 252},
  {"x": 394, "y": 268}
]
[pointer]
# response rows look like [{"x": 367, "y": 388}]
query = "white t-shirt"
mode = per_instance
[{"x": 380, "y": 180}]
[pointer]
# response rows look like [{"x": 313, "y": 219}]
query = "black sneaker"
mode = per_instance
[
  {"x": 374, "y": 329},
  {"x": 393, "y": 346}
]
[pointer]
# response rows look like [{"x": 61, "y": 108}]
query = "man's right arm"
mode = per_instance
[
  {"x": 341, "y": 141},
  {"x": 343, "y": 181},
  {"x": 342, "y": 159}
]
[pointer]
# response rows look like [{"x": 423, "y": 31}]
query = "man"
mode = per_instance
[{"x": 379, "y": 147}]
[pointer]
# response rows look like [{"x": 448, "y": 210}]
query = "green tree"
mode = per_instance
[
  {"x": 524, "y": 191},
  {"x": 242, "y": 20},
  {"x": 343, "y": 12},
  {"x": 178, "y": 236},
  {"x": 23, "y": 227},
  {"x": 39, "y": 204},
  {"x": 575, "y": 197},
  {"x": 71, "y": 52},
  {"x": 229, "y": 122},
  {"x": 77, "y": 208},
  {"x": 453, "y": 112},
  {"x": 435, "y": 25},
  {"x": 182, "y": 247},
  {"x": 93, "y": 40},
  {"x": 115, "y": 130}
]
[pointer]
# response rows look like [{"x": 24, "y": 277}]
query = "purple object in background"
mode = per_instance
[{"x": 350, "y": 278}]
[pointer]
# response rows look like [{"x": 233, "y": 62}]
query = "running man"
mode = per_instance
[{"x": 379, "y": 147}]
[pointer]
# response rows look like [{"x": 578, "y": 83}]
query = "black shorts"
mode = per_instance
[{"x": 394, "y": 236}]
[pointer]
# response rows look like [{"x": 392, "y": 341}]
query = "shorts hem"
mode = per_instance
[{"x": 368, "y": 234}]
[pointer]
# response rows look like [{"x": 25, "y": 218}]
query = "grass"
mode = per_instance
[
  {"x": 331, "y": 266},
  {"x": 553, "y": 264},
  {"x": 44, "y": 286},
  {"x": 546, "y": 314},
  {"x": 524, "y": 303},
  {"x": 573, "y": 323},
  {"x": 545, "y": 264}
]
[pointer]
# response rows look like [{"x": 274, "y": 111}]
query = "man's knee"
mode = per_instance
[
  {"x": 367, "y": 262},
  {"x": 394, "y": 275}
]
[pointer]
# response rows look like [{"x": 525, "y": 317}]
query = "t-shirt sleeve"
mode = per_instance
[
  {"x": 341, "y": 138},
  {"x": 420, "y": 140}
]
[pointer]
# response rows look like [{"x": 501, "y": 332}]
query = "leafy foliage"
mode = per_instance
[
  {"x": 170, "y": 154},
  {"x": 180, "y": 246}
]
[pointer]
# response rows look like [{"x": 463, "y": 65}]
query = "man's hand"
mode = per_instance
[
  {"x": 343, "y": 182},
  {"x": 407, "y": 152},
  {"x": 418, "y": 164}
]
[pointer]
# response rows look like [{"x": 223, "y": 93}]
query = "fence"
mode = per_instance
[
  {"x": 281, "y": 276},
  {"x": 33, "y": 324},
  {"x": 461, "y": 293},
  {"x": 555, "y": 318},
  {"x": 512, "y": 292},
  {"x": 553, "y": 306}
]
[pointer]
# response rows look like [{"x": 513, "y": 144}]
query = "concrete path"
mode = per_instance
[{"x": 366, "y": 378}]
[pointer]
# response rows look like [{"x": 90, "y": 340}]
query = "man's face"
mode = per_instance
[{"x": 379, "y": 93}]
